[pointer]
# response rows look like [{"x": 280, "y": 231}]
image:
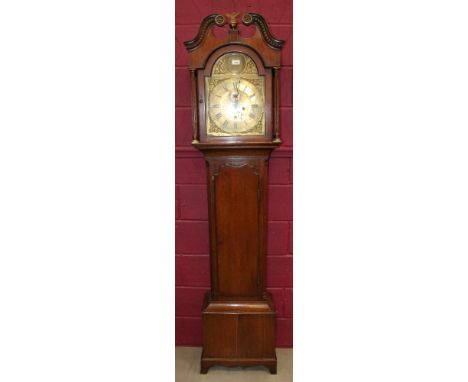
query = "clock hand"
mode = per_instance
[
  {"x": 236, "y": 87},
  {"x": 235, "y": 96}
]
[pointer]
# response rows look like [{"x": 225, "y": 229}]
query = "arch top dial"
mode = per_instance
[{"x": 235, "y": 97}]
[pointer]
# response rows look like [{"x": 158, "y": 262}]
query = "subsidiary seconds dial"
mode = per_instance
[{"x": 235, "y": 105}]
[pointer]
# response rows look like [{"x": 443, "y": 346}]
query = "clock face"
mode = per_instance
[
  {"x": 235, "y": 97},
  {"x": 235, "y": 105}
]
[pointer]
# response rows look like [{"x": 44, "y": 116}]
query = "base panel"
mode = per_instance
[{"x": 239, "y": 333}]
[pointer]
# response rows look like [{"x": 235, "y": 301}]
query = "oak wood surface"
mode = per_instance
[{"x": 238, "y": 315}]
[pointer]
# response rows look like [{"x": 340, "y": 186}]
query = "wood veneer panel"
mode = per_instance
[
  {"x": 256, "y": 335},
  {"x": 237, "y": 244},
  {"x": 220, "y": 335}
]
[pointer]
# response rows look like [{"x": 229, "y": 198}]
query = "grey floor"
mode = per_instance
[{"x": 187, "y": 361}]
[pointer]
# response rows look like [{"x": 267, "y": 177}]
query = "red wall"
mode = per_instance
[{"x": 192, "y": 249}]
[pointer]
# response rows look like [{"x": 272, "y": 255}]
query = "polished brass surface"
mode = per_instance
[
  {"x": 233, "y": 19},
  {"x": 235, "y": 96}
]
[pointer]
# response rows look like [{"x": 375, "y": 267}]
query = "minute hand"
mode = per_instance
[{"x": 236, "y": 86}]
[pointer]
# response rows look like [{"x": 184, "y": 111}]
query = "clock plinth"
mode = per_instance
[
  {"x": 238, "y": 333},
  {"x": 236, "y": 127}
]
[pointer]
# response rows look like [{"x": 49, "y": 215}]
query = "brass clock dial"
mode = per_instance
[
  {"x": 235, "y": 97},
  {"x": 235, "y": 105}
]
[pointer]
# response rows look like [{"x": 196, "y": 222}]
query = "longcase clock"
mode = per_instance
[{"x": 235, "y": 115}]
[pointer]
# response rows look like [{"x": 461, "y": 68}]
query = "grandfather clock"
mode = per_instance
[{"x": 235, "y": 115}]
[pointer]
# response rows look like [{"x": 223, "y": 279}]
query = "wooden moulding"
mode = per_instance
[
  {"x": 205, "y": 42},
  {"x": 207, "y": 362},
  {"x": 230, "y": 146},
  {"x": 237, "y": 305}
]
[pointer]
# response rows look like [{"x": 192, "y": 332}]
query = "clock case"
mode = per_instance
[{"x": 238, "y": 314}]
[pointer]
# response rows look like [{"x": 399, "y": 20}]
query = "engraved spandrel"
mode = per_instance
[{"x": 234, "y": 64}]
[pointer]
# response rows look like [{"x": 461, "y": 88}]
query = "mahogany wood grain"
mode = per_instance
[
  {"x": 238, "y": 333},
  {"x": 236, "y": 187}
]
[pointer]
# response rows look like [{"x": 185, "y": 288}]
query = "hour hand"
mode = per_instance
[{"x": 235, "y": 84}]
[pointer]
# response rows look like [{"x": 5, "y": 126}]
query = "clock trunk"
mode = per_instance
[{"x": 238, "y": 315}]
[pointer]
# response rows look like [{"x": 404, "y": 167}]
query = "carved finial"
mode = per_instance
[{"x": 233, "y": 19}]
